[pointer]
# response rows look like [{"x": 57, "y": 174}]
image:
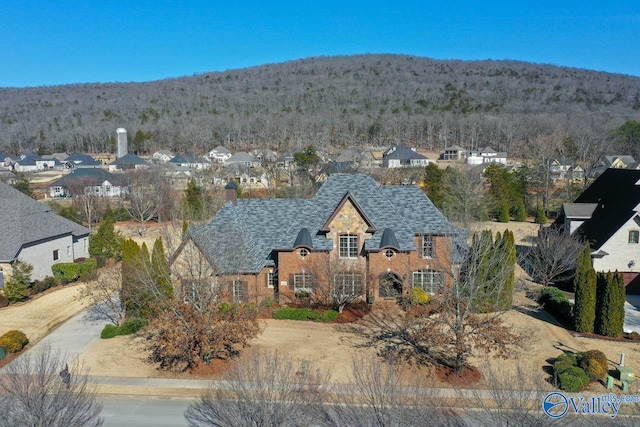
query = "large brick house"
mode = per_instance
[{"x": 363, "y": 238}]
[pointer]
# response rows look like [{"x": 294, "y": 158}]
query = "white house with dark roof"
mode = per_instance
[
  {"x": 190, "y": 161},
  {"x": 486, "y": 155},
  {"x": 607, "y": 215},
  {"x": 79, "y": 160},
  {"x": 94, "y": 181},
  {"x": 30, "y": 162},
  {"x": 162, "y": 156},
  {"x": 32, "y": 232},
  {"x": 219, "y": 154},
  {"x": 399, "y": 156},
  {"x": 243, "y": 158},
  {"x": 374, "y": 241},
  {"x": 128, "y": 162}
]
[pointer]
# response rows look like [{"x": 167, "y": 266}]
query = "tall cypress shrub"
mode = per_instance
[
  {"x": 584, "y": 282},
  {"x": 509, "y": 257},
  {"x": 610, "y": 304},
  {"x": 160, "y": 270}
]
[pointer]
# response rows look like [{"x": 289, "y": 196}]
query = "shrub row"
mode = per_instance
[
  {"x": 574, "y": 371},
  {"x": 291, "y": 313},
  {"x": 130, "y": 326},
  {"x": 13, "y": 341},
  {"x": 42, "y": 285},
  {"x": 66, "y": 272},
  {"x": 556, "y": 303}
]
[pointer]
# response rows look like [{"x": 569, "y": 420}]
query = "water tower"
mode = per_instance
[{"x": 121, "y": 147}]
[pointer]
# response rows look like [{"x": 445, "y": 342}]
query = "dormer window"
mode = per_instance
[{"x": 348, "y": 246}]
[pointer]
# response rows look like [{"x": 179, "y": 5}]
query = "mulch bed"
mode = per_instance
[{"x": 468, "y": 376}]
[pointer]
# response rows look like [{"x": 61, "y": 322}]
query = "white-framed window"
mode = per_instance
[
  {"x": 303, "y": 253},
  {"x": 389, "y": 253},
  {"x": 238, "y": 290},
  {"x": 302, "y": 283},
  {"x": 634, "y": 236},
  {"x": 272, "y": 280},
  {"x": 56, "y": 255},
  {"x": 348, "y": 246},
  {"x": 428, "y": 246},
  {"x": 430, "y": 281},
  {"x": 347, "y": 283}
]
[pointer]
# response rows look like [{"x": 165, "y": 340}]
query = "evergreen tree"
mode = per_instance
[
  {"x": 17, "y": 287},
  {"x": 585, "y": 282},
  {"x": 508, "y": 251},
  {"x": 106, "y": 242},
  {"x": 519, "y": 211},
  {"x": 616, "y": 323},
  {"x": 503, "y": 212},
  {"x": 134, "y": 294},
  {"x": 194, "y": 200},
  {"x": 433, "y": 184},
  {"x": 24, "y": 186},
  {"x": 160, "y": 272},
  {"x": 541, "y": 216},
  {"x": 610, "y": 304}
]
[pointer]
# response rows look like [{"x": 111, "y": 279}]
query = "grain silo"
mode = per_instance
[{"x": 121, "y": 148}]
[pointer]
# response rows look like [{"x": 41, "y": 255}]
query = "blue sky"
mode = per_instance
[{"x": 49, "y": 43}]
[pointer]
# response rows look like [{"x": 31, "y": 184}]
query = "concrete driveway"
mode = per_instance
[{"x": 632, "y": 313}]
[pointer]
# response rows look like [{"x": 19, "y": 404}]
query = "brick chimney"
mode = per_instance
[{"x": 231, "y": 192}]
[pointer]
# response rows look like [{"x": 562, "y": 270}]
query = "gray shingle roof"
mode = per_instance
[
  {"x": 87, "y": 177},
  {"x": 129, "y": 159},
  {"x": 243, "y": 237},
  {"x": 80, "y": 159},
  {"x": 25, "y": 221}
]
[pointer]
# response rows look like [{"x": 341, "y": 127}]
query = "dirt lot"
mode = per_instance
[{"x": 320, "y": 344}]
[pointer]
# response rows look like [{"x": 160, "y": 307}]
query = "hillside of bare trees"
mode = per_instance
[{"x": 374, "y": 100}]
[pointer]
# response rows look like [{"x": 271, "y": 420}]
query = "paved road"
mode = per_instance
[
  {"x": 632, "y": 313},
  {"x": 144, "y": 412}
]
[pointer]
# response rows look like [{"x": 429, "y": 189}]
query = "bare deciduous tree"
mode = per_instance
[
  {"x": 552, "y": 257},
  {"x": 336, "y": 283},
  {"x": 148, "y": 193},
  {"x": 387, "y": 394},
  {"x": 264, "y": 389},
  {"x": 465, "y": 316},
  {"x": 41, "y": 390},
  {"x": 103, "y": 295}
]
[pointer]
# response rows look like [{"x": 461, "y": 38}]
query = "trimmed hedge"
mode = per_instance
[
  {"x": 130, "y": 326},
  {"x": 573, "y": 380},
  {"x": 291, "y": 313},
  {"x": 66, "y": 272},
  {"x": 419, "y": 296},
  {"x": 594, "y": 363},
  {"x": 13, "y": 341},
  {"x": 42, "y": 285},
  {"x": 556, "y": 303}
]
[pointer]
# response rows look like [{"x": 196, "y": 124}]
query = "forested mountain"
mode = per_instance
[{"x": 341, "y": 101}]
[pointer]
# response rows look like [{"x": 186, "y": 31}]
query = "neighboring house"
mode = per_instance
[
  {"x": 265, "y": 155},
  {"x": 128, "y": 162},
  {"x": 399, "y": 156},
  {"x": 563, "y": 169},
  {"x": 242, "y": 174},
  {"x": 191, "y": 161},
  {"x": 454, "y": 152},
  {"x": 30, "y": 162},
  {"x": 613, "y": 161},
  {"x": 357, "y": 157},
  {"x": 607, "y": 215},
  {"x": 287, "y": 159},
  {"x": 32, "y": 232},
  {"x": 219, "y": 154},
  {"x": 373, "y": 241},
  {"x": 244, "y": 159},
  {"x": 79, "y": 160},
  {"x": 93, "y": 181},
  {"x": 162, "y": 156},
  {"x": 486, "y": 155}
]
